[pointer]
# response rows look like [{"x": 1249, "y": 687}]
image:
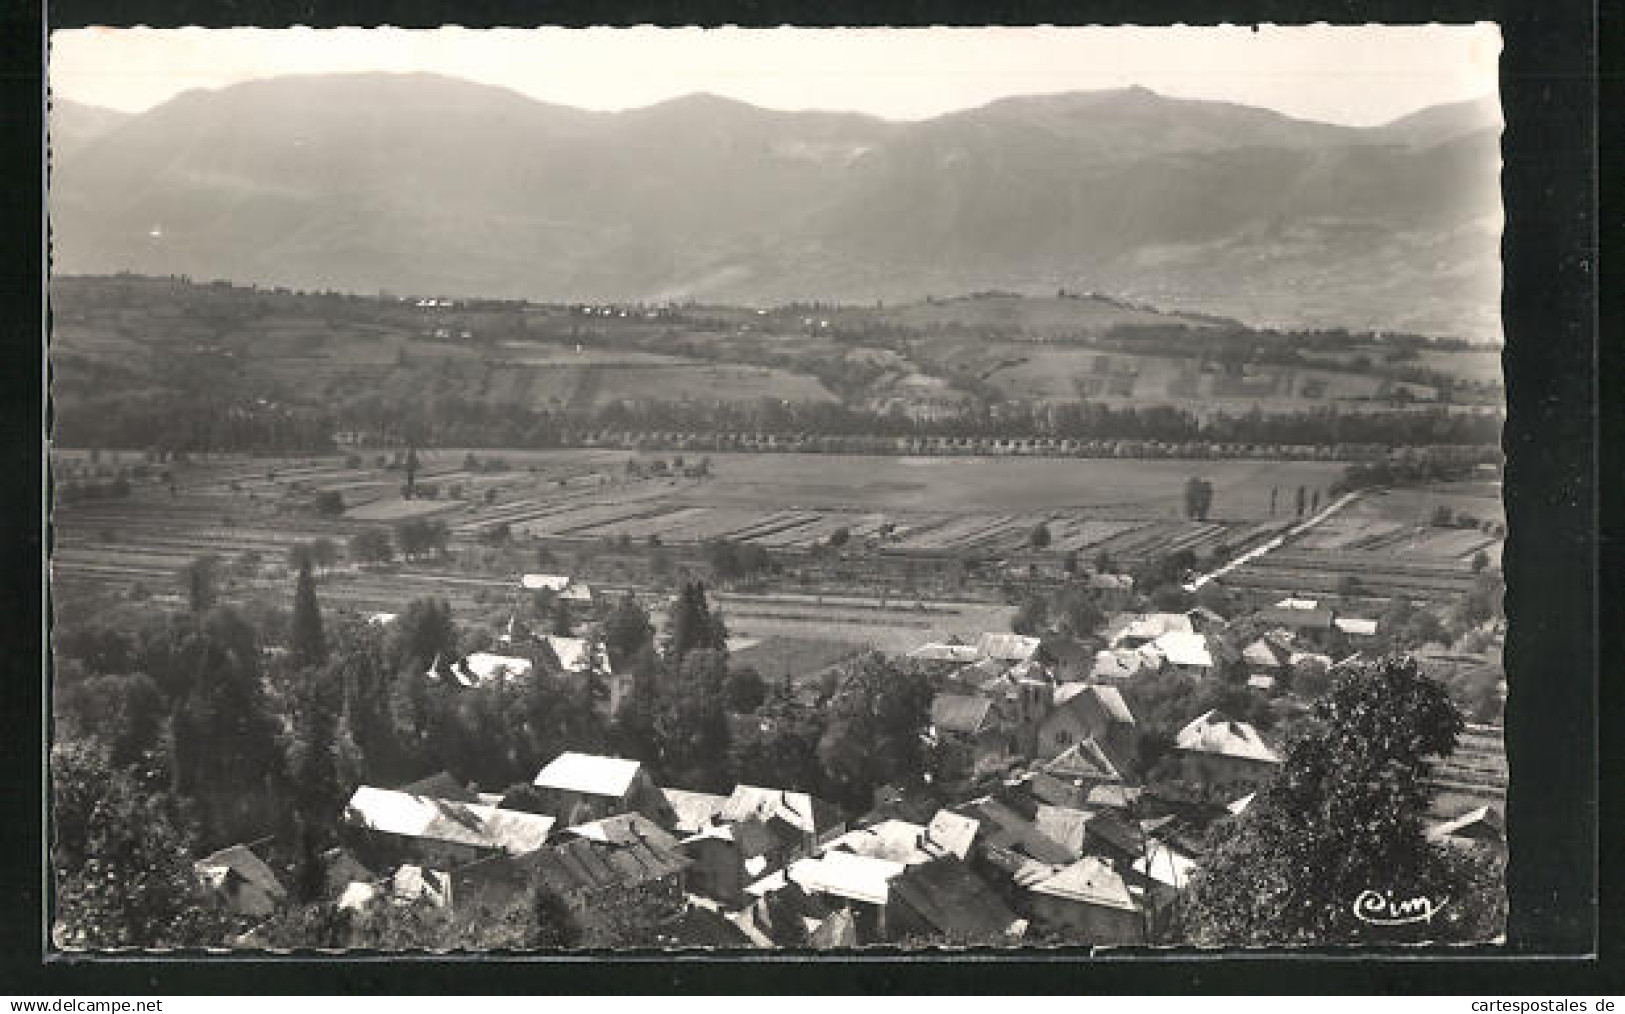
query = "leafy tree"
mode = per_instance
[
  {"x": 1481, "y": 560},
  {"x": 839, "y": 537},
  {"x": 1344, "y": 816},
  {"x": 411, "y": 471},
  {"x": 125, "y": 714},
  {"x": 301, "y": 555},
  {"x": 1302, "y": 500},
  {"x": 1039, "y": 537},
  {"x": 745, "y": 690},
  {"x": 307, "y": 646},
  {"x": 873, "y": 737},
  {"x": 562, "y": 623},
  {"x": 200, "y": 582},
  {"x": 1171, "y": 598},
  {"x": 329, "y": 503},
  {"x": 627, "y": 631},
  {"x": 121, "y": 861},
  {"x": 423, "y": 632},
  {"x": 371, "y": 545},
  {"x": 690, "y": 624},
  {"x": 1198, "y": 498},
  {"x": 1031, "y": 617},
  {"x": 552, "y": 924}
]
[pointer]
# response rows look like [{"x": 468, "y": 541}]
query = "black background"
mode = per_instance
[{"x": 1561, "y": 439}]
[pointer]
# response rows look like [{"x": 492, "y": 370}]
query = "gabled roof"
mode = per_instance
[
  {"x": 951, "y": 833},
  {"x": 1089, "y": 881},
  {"x": 624, "y": 829},
  {"x": 838, "y": 929},
  {"x": 1167, "y": 866},
  {"x": 575, "y": 654},
  {"x": 1182, "y": 647},
  {"x": 585, "y": 865},
  {"x": 484, "y": 667},
  {"x": 1123, "y": 663},
  {"x": 1262, "y": 654},
  {"x": 401, "y": 813},
  {"x": 1063, "y": 825},
  {"x": 953, "y": 900},
  {"x": 846, "y": 875},
  {"x": 1007, "y": 647},
  {"x": 960, "y": 713},
  {"x": 1356, "y": 627},
  {"x": 896, "y": 840},
  {"x": 1113, "y": 796},
  {"x": 1108, "y": 700},
  {"x": 1213, "y": 733},
  {"x": 1084, "y": 761},
  {"x": 1150, "y": 626},
  {"x": 590, "y": 774},
  {"x": 802, "y": 811},
  {"x": 1239, "y": 806},
  {"x": 694, "y": 810},
  {"x": 1004, "y": 829},
  {"x": 242, "y": 879}
]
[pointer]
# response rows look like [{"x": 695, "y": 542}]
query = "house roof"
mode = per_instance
[
  {"x": 357, "y": 896},
  {"x": 582, "y": 864},
  {"x": 800, "y": 810},
  {"x": 941, "y": 652},
  {"x": 960, "y": 713},
  {"x": 694, "y": 810},
  {"x": 1258, "y": 681},
  {"x": 1182, "y": 647},
  {"x": 1150, "y": 626},
  {"x": 401, "y": 813},
  {"x": 1301, "y": 605},
  {"x": 624, "y": 829},
  {"x": 1084, "y": 760},
  {"x": 414, "y": 883},
  {"x": 575, "y": 654},
  {"x": 955, "y": 901},
  {"x": 1113, "y": 796},
  {"x": 1123, "y": 663},
  {"x": 1064, "y": 825},
  {"x": 1300, "y": 657},
  {"x": 590, "y": 774},
  {"x": 242, "y": 878},
  {"x": 1108, "y": 699},
  {"x": 1006, "y": 830},
  {"x": 951, "y": 833},
  {"x": 1261, "y": 653},
  {"x": 1111, "y": 582},
  {"x": 838, "y": 929},
  {"x": 847, "y": 875},
  {"x": 1167, "y": 866},
  {"x": 897, "y": 840},
  {"x": 1213, "y": 733},
  {"x": 1089, "y": 881},
  {"x": 1007, "y": 647},
  {"x": 1239, "y": 806},
  {"x": 1356, "y": 626},
  {"x": 1204, "y": 614},
  {"x": 551, "y": 582},
  {"x": 483, "y": 667}
]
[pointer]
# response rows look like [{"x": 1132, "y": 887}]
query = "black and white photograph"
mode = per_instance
[{"x": 749, "y": 490}]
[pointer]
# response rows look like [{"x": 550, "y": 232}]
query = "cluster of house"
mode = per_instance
[{"x": 1053, "y": 837}]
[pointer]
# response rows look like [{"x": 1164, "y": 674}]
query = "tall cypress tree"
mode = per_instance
[{"x": 308, "y": 646}]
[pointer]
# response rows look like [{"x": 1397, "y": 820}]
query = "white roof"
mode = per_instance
[
  {"x": 1299, "y": 657},
  {"x": 357, "y": 896},
  {"x": 1090, "y": 881},
  {"x": 1109, "y": 699},
  {"x": 402, "y": 813},
  {"x": 1150, "y": 626},
  {"x": 1239, "y": 806},
  {"x": 1007, "y": 647},
  {"x": 381, "y": 619},
  {"x": 847, "y": 875},
  {"x": 589, "y": 773},
  {"x": 572, "y": 653},
  {"x": 798, "y": 809},
  {"x": 490, "y": 668},
  {"x": 1261, "y": 682},
  {"x": 552, "y": 582},
  {"x": 1355, "y": 626},
  {"x": 1294, "y": 603},
  {"x": 1167, "y": 866},
  {"x": 1181, "y": 647},
  {"x": 941, "y": 652},
  {"x": 1213, "y": 733}
]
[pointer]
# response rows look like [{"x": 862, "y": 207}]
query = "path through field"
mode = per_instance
[{"x": 1275, "y": 543}]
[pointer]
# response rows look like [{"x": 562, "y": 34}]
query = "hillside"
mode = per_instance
[{"x": 416, "y": 183}]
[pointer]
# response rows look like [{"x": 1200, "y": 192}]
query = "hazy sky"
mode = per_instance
[{"x": 1358, "y": 76}]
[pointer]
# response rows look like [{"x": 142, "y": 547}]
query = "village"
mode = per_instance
[{"x": 1042, "y": 808}]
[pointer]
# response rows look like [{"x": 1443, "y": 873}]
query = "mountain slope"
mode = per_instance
[{"x": 417, "y": 183}]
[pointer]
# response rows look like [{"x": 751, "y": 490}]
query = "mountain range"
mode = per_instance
[{"x": 430, "y": 185}]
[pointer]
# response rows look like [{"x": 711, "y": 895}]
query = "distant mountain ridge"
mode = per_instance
[{"x": 424, "y": 184}]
